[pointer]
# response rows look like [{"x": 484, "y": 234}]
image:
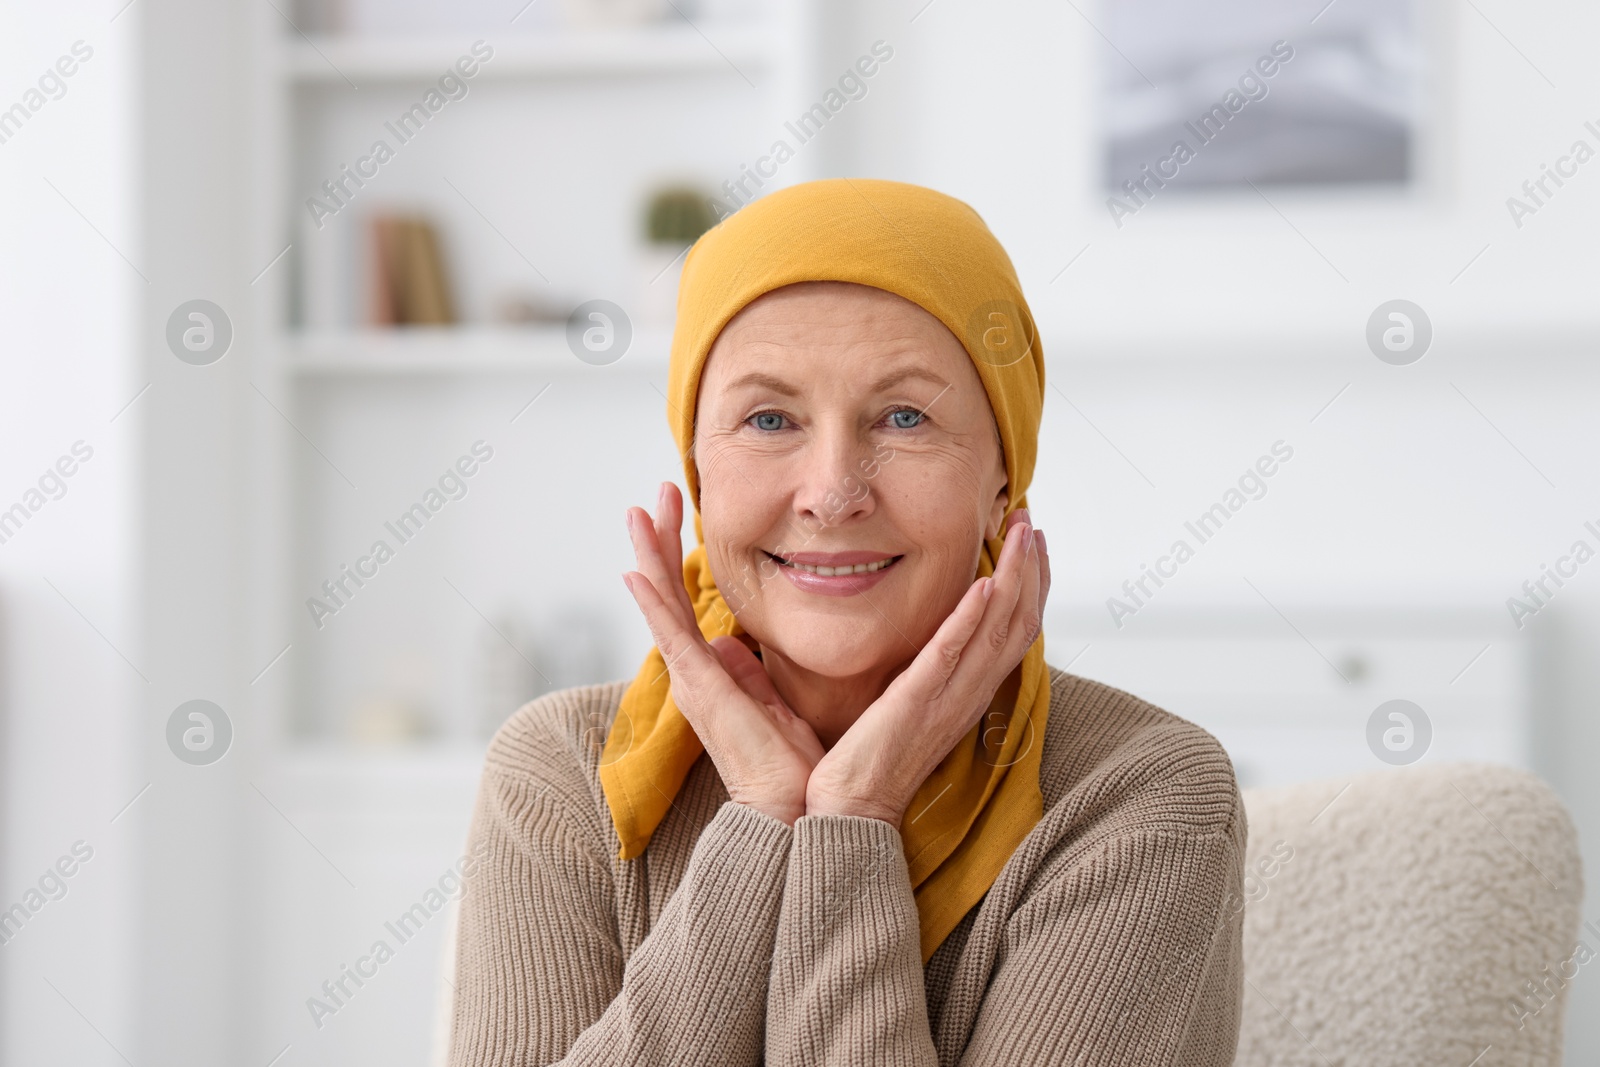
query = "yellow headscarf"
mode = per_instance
[{"x": 936, "y": 252}]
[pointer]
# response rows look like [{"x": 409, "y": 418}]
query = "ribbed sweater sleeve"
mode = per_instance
[
  {"x": 846, "y": 985},
  {"x": 1126, "y": 955},
  {"x": 1129, "y": 956},
  {"x": 540, "y": 973}
]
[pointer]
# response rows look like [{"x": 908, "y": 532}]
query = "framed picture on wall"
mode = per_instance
[{"x": 1307, "y": 92}]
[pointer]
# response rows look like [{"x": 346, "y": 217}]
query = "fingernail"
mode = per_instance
[
  {"x": 627, "y": 518},
  {"x": 1044, "y": 546},
  {"x": 988, "y": 588},
  {"x": 627, "y": 580}
]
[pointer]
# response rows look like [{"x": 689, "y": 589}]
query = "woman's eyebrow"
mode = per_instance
[
  {"x": 766, "y": 380},
  {"x": 904, "y": 374}
]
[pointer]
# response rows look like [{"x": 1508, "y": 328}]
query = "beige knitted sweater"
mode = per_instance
[{"x": 1111, "y": 937}]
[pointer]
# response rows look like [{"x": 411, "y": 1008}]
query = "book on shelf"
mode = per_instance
[{"x": 410, "y": 286}]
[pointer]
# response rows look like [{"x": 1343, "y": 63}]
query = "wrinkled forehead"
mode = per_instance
[{"x": 852, "y": 337}]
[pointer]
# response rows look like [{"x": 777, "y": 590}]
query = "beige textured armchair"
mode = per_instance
[{"x": 1425, "y": 915}]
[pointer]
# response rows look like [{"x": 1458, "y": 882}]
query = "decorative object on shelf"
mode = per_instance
[
  {"x": 596, "y": 14},
  {"x": 527, "y": 307},
  {"x": 675, "y": 217},
  {"x": 319, "y": 16},
  {"x": 510, "y": 659},
  {"x": 582, "y": 642},
  {"x": 519, "y": 661},
  {"x": 382, "y": 720},
  {"x": 725, "y": 12},
  {"x": 409, "y": 283},
  {"x": 678, "y": 215}
]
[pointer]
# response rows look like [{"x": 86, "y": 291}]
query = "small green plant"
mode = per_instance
[{"x": 678, "y": 216}]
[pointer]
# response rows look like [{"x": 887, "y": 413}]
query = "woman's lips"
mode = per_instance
[{"x": 865, "y": 570}]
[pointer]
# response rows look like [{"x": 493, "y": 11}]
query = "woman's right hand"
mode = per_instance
[{"x": 763, "y": 750}]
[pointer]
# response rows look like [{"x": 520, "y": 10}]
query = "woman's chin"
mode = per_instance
[{"x": 839, "y": 657}]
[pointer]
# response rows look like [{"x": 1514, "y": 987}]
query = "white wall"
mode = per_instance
[
  {"x": 197, "y": 549},
  {"x": 69, "y": 671}
]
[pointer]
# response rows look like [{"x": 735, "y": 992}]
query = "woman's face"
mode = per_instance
[{"x": 849, "y": 467}]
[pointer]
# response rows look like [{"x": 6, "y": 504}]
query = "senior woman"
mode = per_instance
[{"x": 846, "y": 814}]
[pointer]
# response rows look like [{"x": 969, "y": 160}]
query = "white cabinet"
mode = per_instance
[{"x": 1291, "y": 696}]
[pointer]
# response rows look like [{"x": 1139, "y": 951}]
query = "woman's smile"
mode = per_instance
[
  {"x": 835, "y": 573},
  {"x": 850, "y": 445}
]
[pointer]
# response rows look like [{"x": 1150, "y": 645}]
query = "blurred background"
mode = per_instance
[{"x": 287, "y": 282}]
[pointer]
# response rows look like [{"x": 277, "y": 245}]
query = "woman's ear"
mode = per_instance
[{"x": 997, "y": 514}]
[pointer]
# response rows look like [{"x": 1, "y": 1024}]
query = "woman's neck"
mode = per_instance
[{"x": 829, "y": 704}]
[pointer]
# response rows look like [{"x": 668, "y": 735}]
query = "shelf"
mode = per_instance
[
  {"x": 460, "y": 350},
  {"x": 665, "y": 49},
  {"x": 358, "y": 765}
]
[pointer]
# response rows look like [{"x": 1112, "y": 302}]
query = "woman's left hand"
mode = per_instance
[{"x": 875, "y": 769}]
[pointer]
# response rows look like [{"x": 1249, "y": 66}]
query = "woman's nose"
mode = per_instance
[{"x": 835, "y": 487}]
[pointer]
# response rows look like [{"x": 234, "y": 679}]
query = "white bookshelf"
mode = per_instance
[
  {"x": 625, "y": 53},
  {"x": 377, "y": 354},
  {"x": 536, "y": 180}
]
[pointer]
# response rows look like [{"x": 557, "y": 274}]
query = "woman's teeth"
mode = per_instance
[{"x": 828, "y": 572}]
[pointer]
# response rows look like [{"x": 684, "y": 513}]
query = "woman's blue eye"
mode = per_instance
[
  {"x": 905, "y": 418},
  {"x": 769, "y": 420}
]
